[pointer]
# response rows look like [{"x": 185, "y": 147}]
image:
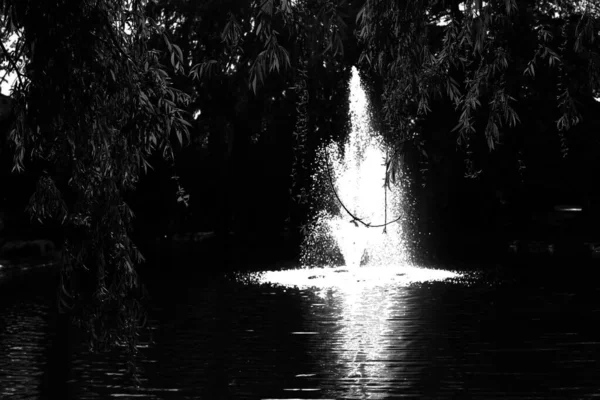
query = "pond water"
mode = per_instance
[{"x": 477, "y": 336}]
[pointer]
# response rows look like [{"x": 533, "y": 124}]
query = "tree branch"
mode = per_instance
[
  {"x": 355, "y": 219},
  {"x": 11, "y": 62}
]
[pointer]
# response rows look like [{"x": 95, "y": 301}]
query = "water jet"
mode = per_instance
[
  {"x": 367, "y": 228},
  {"x": 364, "y": 226}
]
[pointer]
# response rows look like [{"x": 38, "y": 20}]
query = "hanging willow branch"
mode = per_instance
[
  {"x": 297, "y": 191},
  {"x": 300, "y": 134},
  {"x": 385, "y": 195},
  {"x": 96, "y": 106},
  {"x": 355, "y": 219}
]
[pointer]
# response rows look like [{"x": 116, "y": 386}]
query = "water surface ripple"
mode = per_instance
[
  {"x": 465, "y": 339},
  {"x": 24, "y": 338}
]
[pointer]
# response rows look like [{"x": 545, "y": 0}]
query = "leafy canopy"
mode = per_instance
[{"x": 92, "y": 103}]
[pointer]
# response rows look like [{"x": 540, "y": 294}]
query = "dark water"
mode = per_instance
[
  {"x": 24, "y": 333},
  {"x": 511, "y": 337}
]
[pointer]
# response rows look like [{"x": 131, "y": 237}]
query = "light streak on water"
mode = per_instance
[
  {"x": 568, "y": 208},
  {"x": 350, "y": 280},
  {"x": 365, "y": 303}
]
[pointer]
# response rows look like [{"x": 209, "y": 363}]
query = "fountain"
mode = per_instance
[
  {"x": 357, "y": 175},
  {"x": 357, "y": 216}
]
